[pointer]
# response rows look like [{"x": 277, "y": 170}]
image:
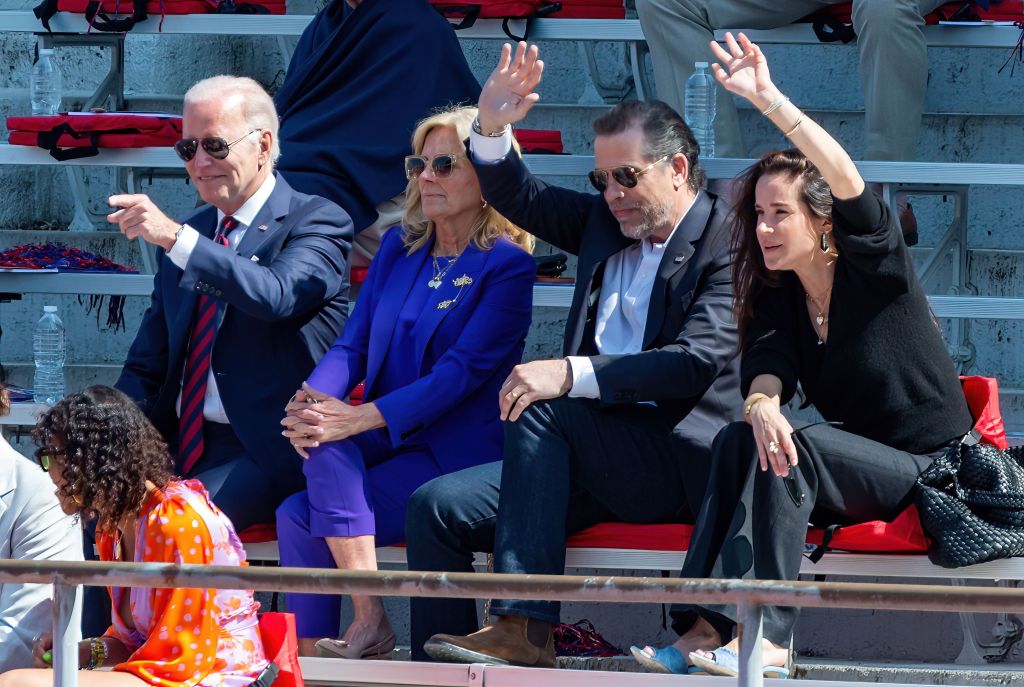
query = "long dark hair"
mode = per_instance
[
  {"x": 110, "y": 450},
  {"x": 749, "y": 274}
]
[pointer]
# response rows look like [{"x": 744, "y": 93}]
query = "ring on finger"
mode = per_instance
[{"x": 773, "y": 447}]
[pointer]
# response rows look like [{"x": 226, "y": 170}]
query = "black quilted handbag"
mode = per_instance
[{"x": 971, "y": 502}]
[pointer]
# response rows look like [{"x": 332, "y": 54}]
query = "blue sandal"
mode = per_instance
[
  {"x": 727, "y": 663},
  {"x": 665, "y": 660}
]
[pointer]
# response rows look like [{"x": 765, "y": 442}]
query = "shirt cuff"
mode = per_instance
[
  {"x": 490, "y": 148},
  {"x": 182, "y": 249},
  {"x": 584, "y": 381}
]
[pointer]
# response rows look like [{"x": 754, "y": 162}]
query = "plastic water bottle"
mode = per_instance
[
  {"x": 48, "y": 351},
  {"x": 46, "y": 84},
  {"x": 699, "y": 105}
]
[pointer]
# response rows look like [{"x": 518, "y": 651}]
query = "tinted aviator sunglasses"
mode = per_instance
[
  {"x": 626, "y": 176},
  {"x": 215, "y": 146},
  {"x": 442, "y": 165}
]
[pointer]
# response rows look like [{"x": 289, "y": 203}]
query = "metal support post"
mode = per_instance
[
  {"x": 750, "y": 626},
  {"x": 111, "y": 88},
  {"x": 66, "y": 599}
]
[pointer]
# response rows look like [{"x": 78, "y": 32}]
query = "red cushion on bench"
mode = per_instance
[
  {"x": 621, "y": 535},
  {"x": 258, "y": 534}
]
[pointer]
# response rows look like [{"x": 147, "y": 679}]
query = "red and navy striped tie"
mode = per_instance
[{"x": 197, "y": 369}]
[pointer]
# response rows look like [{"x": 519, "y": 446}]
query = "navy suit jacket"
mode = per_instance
[
  {"x": 285, "y": 299},
  {"x": 464, "y": 351},
  {"x": 688, "y": 365}
]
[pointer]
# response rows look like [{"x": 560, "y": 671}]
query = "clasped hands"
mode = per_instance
[{"x": 313, "y": 418}]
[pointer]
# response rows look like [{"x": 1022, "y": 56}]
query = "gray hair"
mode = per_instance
[{"x": 259, "y": 113}]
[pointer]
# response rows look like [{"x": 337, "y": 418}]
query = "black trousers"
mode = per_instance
[
  {"x": 568, "y": 463},
  {"x": 752, "y": 524}
]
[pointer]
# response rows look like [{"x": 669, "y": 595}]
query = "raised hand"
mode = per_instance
[
  {"x": 747, "y": 74},
  {"x": 508, "y": 94}
]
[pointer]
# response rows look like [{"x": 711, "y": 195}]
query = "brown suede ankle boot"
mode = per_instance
[{"x": 503, "y": 643}]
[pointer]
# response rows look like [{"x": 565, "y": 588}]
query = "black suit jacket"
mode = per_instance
[
  {"x": 285, "y": 300},
  {"x": 688, "y": 365}
]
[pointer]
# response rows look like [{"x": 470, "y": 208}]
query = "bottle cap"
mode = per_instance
[
  {"x": 700, "y": 65},
  {"x": 49, "y": 308},
  {"x": 45, "y": 51}
]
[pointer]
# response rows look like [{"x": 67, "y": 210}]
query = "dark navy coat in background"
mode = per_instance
[{"x": 356, "y": 86}]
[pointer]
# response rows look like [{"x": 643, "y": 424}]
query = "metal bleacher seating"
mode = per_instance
[{"x": 948, "y": 177}]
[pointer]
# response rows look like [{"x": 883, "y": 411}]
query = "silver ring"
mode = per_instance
[{"x": 773, "y": 447}]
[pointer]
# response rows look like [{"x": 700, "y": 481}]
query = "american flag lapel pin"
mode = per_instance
[
  {"x": 677, "y": 259},
  {"x": 262, "y": 227}
]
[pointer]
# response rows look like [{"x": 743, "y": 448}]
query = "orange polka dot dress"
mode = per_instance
[{"x": 187, "y": 637}]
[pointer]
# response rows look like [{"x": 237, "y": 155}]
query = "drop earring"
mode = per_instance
[{"x": 825, "y": 246}]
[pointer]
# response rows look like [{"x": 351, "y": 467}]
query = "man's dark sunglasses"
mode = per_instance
[
  {"x": 626, "y": 176},
  {"x": 442, "y": 165},
  {"x": 215, "y": 146}
]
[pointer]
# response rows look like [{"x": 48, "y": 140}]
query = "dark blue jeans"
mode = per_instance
[{"x": 568, "y": 464}]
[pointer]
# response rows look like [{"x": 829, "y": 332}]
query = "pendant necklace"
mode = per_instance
[
  {"x": 438, "y": 272},
  {"x": 821, "y": 319}
]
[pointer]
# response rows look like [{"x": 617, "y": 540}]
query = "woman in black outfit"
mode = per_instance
[{"x": 825, "y": 296}]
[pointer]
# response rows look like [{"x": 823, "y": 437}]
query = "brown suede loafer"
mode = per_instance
[{"x": 503, "y": 643}]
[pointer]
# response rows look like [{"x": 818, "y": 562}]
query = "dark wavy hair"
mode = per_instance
[
  {"x": 110, "y": 450},
  {"x": 749, "y": 274}
]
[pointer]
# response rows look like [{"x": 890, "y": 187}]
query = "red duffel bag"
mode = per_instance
[
  {"x": 834, "y": 23},
  {"x": 539, "y": 141},
  {"x": 591, "y": 9},
  {"x": 120, "y": 16},
  {"x": 506, "y": 10},
  {"x": 74, "y": 135}
]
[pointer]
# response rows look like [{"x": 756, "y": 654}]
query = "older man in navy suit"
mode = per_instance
[{"x": 251, "y": 290}]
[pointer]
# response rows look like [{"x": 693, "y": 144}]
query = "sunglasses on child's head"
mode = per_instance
[
  {"x": 442, "y": 165},
  {"x": 215, "y": 146},
  {"x": 626, "y": 176}
]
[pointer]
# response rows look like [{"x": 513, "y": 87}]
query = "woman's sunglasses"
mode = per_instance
[
  {"x": 626, "y": 176},
  {"x": 46, "y": 456},
  {"x": 442, "y": 165},
  {"x": 215, "y": 146}
]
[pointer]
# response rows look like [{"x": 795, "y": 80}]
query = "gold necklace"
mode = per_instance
[
  {"x": 821, "y": 319},
  {"x": 438, "y": 272}
]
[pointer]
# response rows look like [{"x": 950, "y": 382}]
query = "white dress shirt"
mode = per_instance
[
  {"x": 625, "y": 288},
  {"x": 181, "y": 251}
]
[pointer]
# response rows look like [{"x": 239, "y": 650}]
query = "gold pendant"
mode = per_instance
[
  {"x": 820, "y": 319},
  {"x": 464, "y": 280},
  {"x": 444, "y": 305}
]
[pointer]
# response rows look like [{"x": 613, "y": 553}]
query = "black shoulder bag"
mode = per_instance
[{"x": 971, "y": 502}]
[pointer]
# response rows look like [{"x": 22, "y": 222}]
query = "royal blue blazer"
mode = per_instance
[{"x": 464, "y": 351}]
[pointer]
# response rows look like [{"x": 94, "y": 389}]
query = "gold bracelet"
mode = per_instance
[
  {"x": 97, "y": 653},
  {"x": 776, "y": 105},
  {"x": 799, "y": 121},
  {"x": 750, "y": 404}
]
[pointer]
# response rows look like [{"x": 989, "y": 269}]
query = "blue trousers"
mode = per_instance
[{"x": 359, "y": 486}]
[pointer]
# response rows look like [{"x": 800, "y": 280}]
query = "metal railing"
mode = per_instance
[{"x": 749, "y": 597}]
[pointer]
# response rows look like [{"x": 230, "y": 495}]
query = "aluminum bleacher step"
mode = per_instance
[
  {"x": 327, "y": 671},
  {"x": 627, "y": 30}
]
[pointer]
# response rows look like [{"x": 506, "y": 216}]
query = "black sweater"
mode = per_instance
[{"x": 884, "y": 372}]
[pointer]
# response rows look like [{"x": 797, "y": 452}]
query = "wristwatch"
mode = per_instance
[{"x": 491, "y": 134}]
